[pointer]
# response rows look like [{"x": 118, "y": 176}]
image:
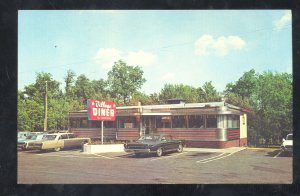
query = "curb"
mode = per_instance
[{"x": 272, "y": 148}]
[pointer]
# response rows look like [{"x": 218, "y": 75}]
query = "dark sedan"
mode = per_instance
[{"x": 156, "y": 143}]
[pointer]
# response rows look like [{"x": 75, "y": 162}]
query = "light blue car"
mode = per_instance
[{"x": 23, "y": 143}]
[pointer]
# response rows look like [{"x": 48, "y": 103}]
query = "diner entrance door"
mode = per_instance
[{"x": 149, "y": 124}]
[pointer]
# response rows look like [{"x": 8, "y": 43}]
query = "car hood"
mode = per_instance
[{"x": 143, "y": 142}]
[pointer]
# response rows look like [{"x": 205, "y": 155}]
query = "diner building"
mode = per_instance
[{"x": 207, "y": 125}]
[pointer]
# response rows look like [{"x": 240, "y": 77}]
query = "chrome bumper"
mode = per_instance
[{"x": 137, "y": 150}]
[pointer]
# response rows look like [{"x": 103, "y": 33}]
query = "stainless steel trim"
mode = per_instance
[{"x": 222, "y": 135}]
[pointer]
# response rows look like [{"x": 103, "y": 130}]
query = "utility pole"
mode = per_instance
[{"x": 46, "y": 107}]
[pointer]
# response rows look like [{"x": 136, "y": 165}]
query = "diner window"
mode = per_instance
[
  {"x": 83, "y": 123},
  {"x": 109, "y": 124},
  {"x": 75, "y": 123},
  {"x": 222, "y": 121},
  {"x": 163, "y": 121},
  {"x": 127, "y": 122},
  {"x": 95, "y": 124},
  {"x": 233, "y": 121},
  {"x": 178, "y": 122},
  {"x": 211, "y": 121},
  {"x": 196, "y": 121}
]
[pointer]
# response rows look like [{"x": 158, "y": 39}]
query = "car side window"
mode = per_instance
[
  {"x": 63, "y": 137},
  {"x": 71, "y": 136}
]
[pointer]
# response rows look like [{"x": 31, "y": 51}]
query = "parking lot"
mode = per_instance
[{"x": 192, "y": 166}]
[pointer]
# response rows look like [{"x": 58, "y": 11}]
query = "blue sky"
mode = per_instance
[{"x": 188, "y": 47}]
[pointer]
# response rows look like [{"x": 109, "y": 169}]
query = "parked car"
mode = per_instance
[
  {"x": 58, "y": 141},
  {"x": 287, "y": 143},
  {"x": 156, "y": 143},
  {"x": 23, "y": 143}
]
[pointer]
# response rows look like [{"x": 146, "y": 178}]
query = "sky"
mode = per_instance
[{"x": 187, "y": 47}]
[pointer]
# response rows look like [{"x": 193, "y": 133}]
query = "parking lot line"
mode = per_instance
[
  {"x": 277, "y": 154},
  {"x": 210, "y": 158},
  {"x": 103, "y": 156},
  {"x": 67, "y": 156},
  {"x": 168, "y": 156},
  {"x": 222, "y": 157},
  {"x": 218, "y": 157}
]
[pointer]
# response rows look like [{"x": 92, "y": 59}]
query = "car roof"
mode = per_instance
[{"x": 59, "y": 133}]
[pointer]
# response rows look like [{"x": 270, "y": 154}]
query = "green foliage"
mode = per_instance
[
  {"x": 209, "y": 93},
  {"x": 69, "y": 82},
  {"x": 245, "y": 85},
  {"x": 269, "y": 98},
  {"x": 83, "y": 88},
  {"x": 179, "y": 91},
  {"x": 124, "y": 80},
  {"x": 273, "y": 104}
]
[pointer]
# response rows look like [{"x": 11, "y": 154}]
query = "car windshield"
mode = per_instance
[
  {"x": 49, "y": 137},
  {"x": 289, "y": 137},
  {"x": 149, "y": 137}
]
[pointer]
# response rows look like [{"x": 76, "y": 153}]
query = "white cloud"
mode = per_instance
[
  {"x": 285, "y": 19},
  {"x": 168, "y": 76},
  {"x": 140, "y": 58},
  {"x": 221, "y": 46},
  {"x": 107, "y": 56}
]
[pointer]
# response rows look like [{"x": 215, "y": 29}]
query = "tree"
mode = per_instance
[
  {"x": 245, "y": 85},
  {"x": 83, "y": 88},
  {"x": 100, "y": 89},
  {"x": 180, "y": 91},
  {"x": 124, "y": 80},
  {"x": 31, "y": 102},
  {"x": 57, "y": 114},
  {"x": 209, "y": 93},
  {"x": 38, "y": 89},
  {"x": 69, "y": 81},
  {"x": 273, "y": 104}
]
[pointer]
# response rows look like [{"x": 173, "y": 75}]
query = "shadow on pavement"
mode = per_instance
[
  {"x": 279, "y": 153},
  {"x": 200, "y": 154}
]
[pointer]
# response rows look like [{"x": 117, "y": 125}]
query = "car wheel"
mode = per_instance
[
  {"x": 57, "y": 149},
  {"x": 180, "y": 148},
  {"x": 159, "y": 152}
]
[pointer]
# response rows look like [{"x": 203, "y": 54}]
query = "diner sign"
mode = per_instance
[{"x": 101, "y": 110}]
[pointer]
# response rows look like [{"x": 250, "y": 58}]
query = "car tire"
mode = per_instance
[
  {"x": 180, "y": 148},
  {"x": 57, "y": 149},
  {"x": 159, "y": 152}
]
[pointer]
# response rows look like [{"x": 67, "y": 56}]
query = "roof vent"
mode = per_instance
[{"x": 175, "y": 101}]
